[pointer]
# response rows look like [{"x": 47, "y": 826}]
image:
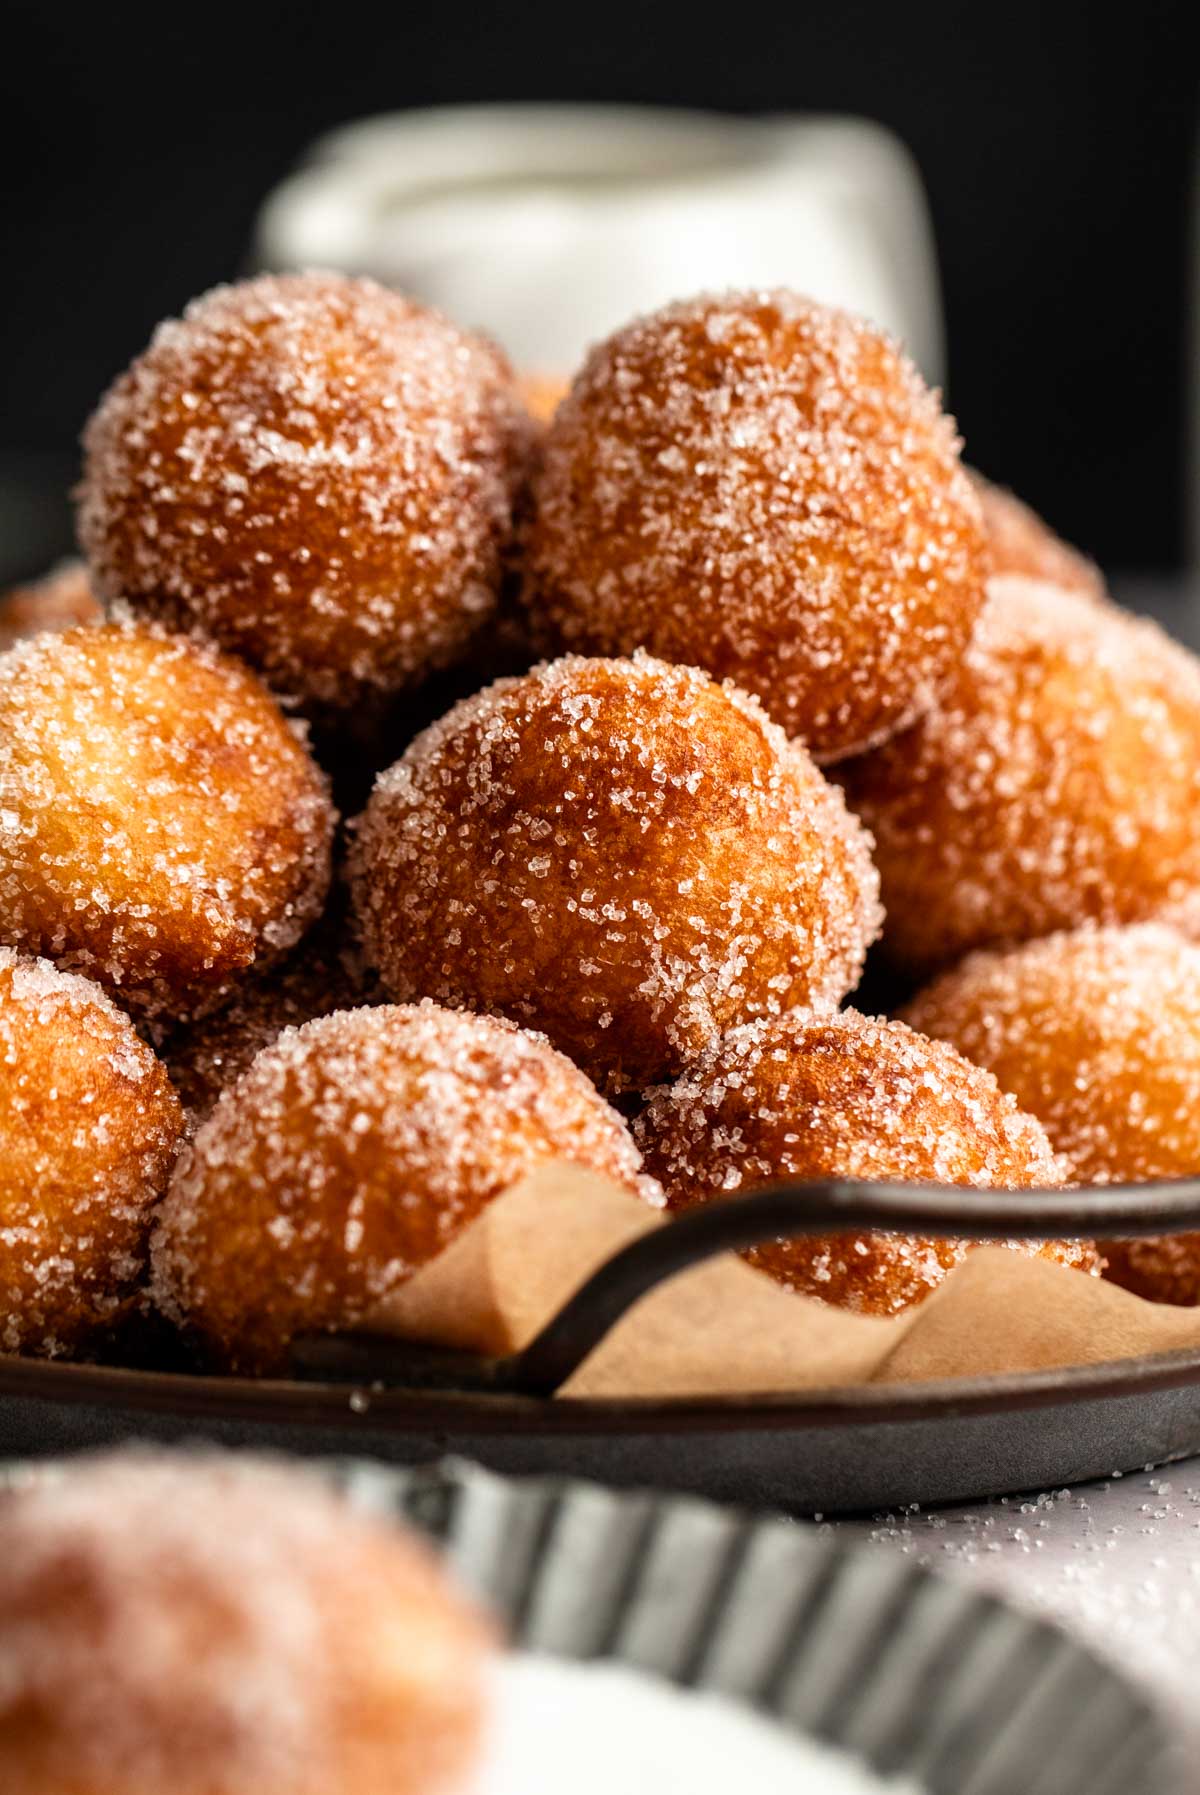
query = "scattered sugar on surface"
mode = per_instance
[
  {"x": 763, "y": 486},
  {"x": 162, "y": 826},
  {"x": 1056, "y": 782},
  {"x": 620, "y": 852},
  {"x": 1115, "y": 1561},
  {"x": 351, "y": 1152},
  {"x": 214, "y": 1623},
  {"x": 848, "y": 1096},
  {"x": 646, "y": 1736},
  {"x": 88, "y": 1132},
  {"x": 313, "y": 470}
]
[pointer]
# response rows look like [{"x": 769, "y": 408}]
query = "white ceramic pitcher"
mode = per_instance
[{"x": 549, "y": 225}]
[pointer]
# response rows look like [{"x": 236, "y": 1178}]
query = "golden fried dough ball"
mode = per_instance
[
  {"x": 1021, "y": 544},
  {"x": 58, "y": 601},
  {"x": 352, "y": 1151},
  {"x": 542, "y": 394},
  {"x": 802, "y": 1096},
  {"x": 162, "y": 827},
  {"x": 89, "y": 1127},
  {"x": 765, "y": 488},
  {"x": 1097, "y": 1033},
  {"x": 212, "y": 1054},
  {"x": 315, "y": 472},
  {"x": 621, "y": 853},
  {"x": 1056, "y": 783},
  {"x": 219, "y": 1625}
]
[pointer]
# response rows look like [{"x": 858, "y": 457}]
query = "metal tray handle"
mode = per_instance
[{"x": 779, "y": 1212}]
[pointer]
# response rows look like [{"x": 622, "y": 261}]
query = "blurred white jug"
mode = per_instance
[{"x": 547, "y": 226}]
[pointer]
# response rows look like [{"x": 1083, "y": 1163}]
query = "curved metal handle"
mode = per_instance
[{"x": 778, "y": 1212}]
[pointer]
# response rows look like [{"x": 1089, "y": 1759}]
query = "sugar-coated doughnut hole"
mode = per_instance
[
  {"x": 352, "y": 1151},
  {"x": 844, "y": 1096},
  {"x": 1021, "y": 544},
  {"x": 1097, "y": 1033},
  {"x": 59, "y": 600},
  {"x": 315, "y": 472},
  {"x": 764, "y": 487},
  {"x": 89, "y": 1127},
  {"x": 162, "y": 827},
  {"x": 221, "y": 1625},
  {"x": 1056, "y": 783},
  {"x": 623, "y": 854}
]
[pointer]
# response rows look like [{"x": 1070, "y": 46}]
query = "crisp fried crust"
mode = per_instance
[
  {"x": 314, "y": 472},
  {"x": 352, "y": 1151},
  {"x": 1057, "y": 782},
  {"x": 844, "y": 1096},
  {"x": 89, "y": 1127},
  {"x": 621, "y": 853},
  {"x": 764, "y": 487},
  {"x": 163, "y": 828},
  {"x": 1097, "y": 1033}
]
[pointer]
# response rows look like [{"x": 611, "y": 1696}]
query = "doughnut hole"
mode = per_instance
[
  {"x": 89, "y": 1128},
  {"x": 349, "y": 1155},
  {"x": 1056, "y": 783},
  {"x": 1097, "y": 1033},
  {"x": 1021, "y": 544},
  {"x": 163, "y": 828},
  {"x": 623, "y": 854},
  {"x": 542, "y": 394},
  {"x": 220, "y": 1625},
  {"x": 844, "y": 1096},
  {"x": 316, "y": 473},
  {"x": 764, "y": 487},
  {"x": 320, "y": 976}
]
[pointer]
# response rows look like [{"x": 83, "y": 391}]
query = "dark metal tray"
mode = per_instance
[{"x": 830, "y": 1450}]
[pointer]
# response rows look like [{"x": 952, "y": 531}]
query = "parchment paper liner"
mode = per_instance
[{"x": 724, "y": 1328}]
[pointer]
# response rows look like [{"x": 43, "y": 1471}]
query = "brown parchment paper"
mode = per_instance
[{"x": 724, "y": 1328}]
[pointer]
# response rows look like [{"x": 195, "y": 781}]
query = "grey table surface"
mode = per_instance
[{"x": 1117, "y": 1562}]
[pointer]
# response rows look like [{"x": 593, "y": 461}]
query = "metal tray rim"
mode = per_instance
[{"x": 234, "y": 1398}]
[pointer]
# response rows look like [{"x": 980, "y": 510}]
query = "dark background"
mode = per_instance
[{"x": 1056, "y": 141}]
